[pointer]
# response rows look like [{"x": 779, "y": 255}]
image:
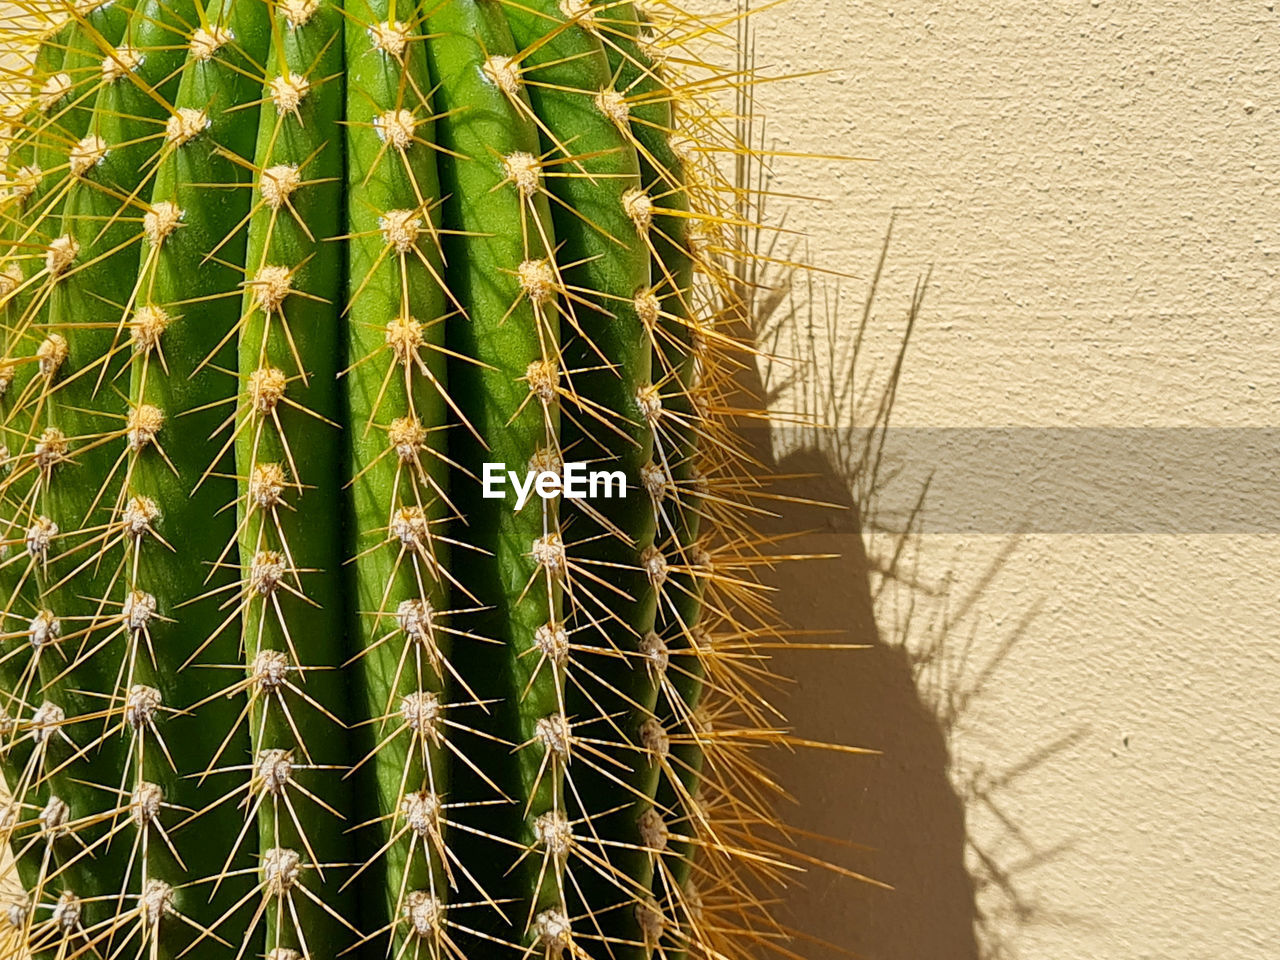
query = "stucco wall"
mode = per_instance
[{"x": 1081, "y": 732}]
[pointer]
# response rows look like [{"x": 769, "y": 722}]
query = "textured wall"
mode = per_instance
[{"x": 1080, "y": 730}]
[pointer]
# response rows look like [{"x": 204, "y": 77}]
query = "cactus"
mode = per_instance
[{"x": 281, "y": 677}]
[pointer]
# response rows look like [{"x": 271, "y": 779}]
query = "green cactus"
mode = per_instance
[{"x": 281, "y": 281}]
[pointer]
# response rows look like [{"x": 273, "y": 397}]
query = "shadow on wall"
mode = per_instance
[
  {"x": 900, "y": 803},
  {"x": 898, "y": 817}
]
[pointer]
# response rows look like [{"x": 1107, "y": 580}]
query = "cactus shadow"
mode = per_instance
[
  {"x": 895, "y": 816},
  {"x": 904, "y": 816},
  {"x": 899, "y": 817}
]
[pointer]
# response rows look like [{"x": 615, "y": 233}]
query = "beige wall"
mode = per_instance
[{"x": 1080, "y": 730}]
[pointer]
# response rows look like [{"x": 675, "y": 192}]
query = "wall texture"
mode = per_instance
[{"x": 1080, "y": 729}]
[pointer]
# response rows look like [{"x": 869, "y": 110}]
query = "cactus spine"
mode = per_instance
[{"x": 279, "y": 279}]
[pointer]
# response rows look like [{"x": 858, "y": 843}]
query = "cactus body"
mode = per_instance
[{"x": 282, "y": 281}]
